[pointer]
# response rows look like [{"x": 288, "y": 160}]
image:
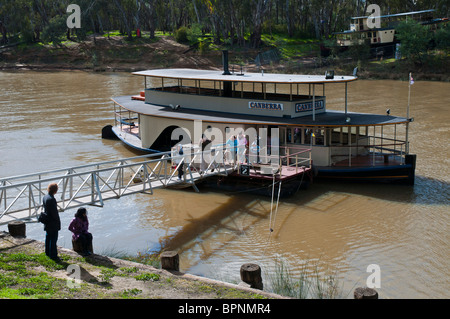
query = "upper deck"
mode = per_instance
[
  {"x": 212, "y": 75},
  {"x": 254, "y": 94},
  {"x": 325, "y": 119}
]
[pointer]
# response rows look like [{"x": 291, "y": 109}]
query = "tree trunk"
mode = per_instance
[
  {"x": 4, "y": 35},
  {"x": 124, "y": 18},
  {"x": 258, "y": 20},
  {"x": 196, "y": 11},
  {"x": 150, "y": 5}
]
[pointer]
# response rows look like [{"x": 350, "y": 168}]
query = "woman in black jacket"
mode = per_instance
[{"x": 53, "y": 225}]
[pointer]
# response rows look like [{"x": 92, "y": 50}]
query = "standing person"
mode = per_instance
[
  {"x": 254, "y": 151},
  {"x": 242, "y": 147},
  {"x": 204, "y": 142},
  {"x": 231, "y": 148},
  {"x": 180, "y": 161},
  {"x": 53, "y": 225},
  {"x": 79, "y": 226}
]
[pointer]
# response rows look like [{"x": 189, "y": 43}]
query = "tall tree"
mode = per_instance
[
  {"x": 260, "y": 10},
  {"x": 124, "y": 16}
]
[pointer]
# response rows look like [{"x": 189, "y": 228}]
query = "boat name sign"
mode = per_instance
[
  {"x": 307, "y": 106},
  {"x": 266, "y": 106}
]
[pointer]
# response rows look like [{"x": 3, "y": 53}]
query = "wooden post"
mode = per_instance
[
  {"x": 170, "y": 260},
  {"x": 365, "y": 293},
  {"x": 17, "y": 228},
  {"x": 251, "y": 274}
]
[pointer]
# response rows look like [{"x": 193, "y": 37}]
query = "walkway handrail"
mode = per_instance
[
  {"x": 84, "y": 166},
  {"x": 88, "y": 184},
  {"x": 91, "y": 184}
]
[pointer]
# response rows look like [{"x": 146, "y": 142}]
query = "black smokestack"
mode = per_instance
[{"x": 225, "y": 62}]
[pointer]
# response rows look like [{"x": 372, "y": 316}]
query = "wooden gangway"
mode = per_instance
[{"x": 92, "y": 184}]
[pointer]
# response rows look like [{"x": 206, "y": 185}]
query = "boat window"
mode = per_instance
[
  {"x": 370, "y": 34},
  {"x": 335, "y": 136},
  {"x": 297, "y": 135},
  {"x": 289, "y": 135},
  {"x": 319, "y": 136},
  {"x": 307, "y": 132}
]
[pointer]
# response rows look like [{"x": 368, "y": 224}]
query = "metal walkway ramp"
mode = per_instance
[{"x": 21, "y": 196}]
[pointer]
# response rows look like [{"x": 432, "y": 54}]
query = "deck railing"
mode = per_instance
[
  {"x": 371, "y": 148},
  {"x": 124, "y": 118},
  {"x": 278, "y": 158},
  {"x": 295, "y": 157}
]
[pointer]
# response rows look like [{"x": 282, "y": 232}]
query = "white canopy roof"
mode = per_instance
[{"x": 212, "y": 75}]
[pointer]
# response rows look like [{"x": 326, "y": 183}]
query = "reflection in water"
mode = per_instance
[{"x": 54, "y": 120}]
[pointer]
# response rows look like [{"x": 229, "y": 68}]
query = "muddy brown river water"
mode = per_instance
[{"x": 53, "y": 120}]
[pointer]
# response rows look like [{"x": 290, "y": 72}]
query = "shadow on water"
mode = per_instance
[
  {"x": 215, "y": 220},
  {"x": 425, "y": 191}
]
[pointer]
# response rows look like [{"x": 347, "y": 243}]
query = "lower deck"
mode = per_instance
[
  {"x": 285, "y": 173},
  {"x": 337, "y": 140},
  {"x": 370, "y": 160}
]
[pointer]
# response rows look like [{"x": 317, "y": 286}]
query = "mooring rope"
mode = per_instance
[{"x": 272, "y": 224}]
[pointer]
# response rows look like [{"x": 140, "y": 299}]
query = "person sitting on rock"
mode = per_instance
[{"x": 79, "y": 226}]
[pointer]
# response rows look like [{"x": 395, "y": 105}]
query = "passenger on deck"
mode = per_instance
[
  {"x": 231, "y": 149},
  {"x": 254, "y": 151},
  {"x": 179, "y": 161},
  {"x": 204, "y": 142},
  {"x": 242, "y": 147}
]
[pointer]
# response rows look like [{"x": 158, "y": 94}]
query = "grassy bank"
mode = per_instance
[{"x": 27, "y": 273}]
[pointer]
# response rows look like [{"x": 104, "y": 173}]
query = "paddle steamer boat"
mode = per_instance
[
  {"x": 343, "y": 145},
  {"x": 382, "y": 39}
]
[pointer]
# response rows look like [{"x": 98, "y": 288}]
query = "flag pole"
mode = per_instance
[
  {"x": 407, "y": 113},
  {"x": 409, "y": 95}
]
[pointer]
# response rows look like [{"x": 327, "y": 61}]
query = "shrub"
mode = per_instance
[
  {"x": 55, "y": 30},
  {"x": 414, "y": 39},
  {"x": 147, "y": 277},
  {"x": 442, "y": 38},
  {"x": 181, "y": 35}
]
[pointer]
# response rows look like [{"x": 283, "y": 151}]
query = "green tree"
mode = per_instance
[
  {"x": 414, "y": 39},
  {"x": 442, "y": 38},
  {"x": 55, "y": 30}
]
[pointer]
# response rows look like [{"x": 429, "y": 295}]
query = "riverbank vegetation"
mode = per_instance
[
  {"x": 288, "y": 36},
  {"x": 27, "y": 273},
  {"x": 313, "y": 281}
]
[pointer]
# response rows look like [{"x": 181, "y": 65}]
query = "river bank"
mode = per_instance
[
  {"x": 26, "y": 273},
  {"x": 114, "y": 54}
]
